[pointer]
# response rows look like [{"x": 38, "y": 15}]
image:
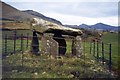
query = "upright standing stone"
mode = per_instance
[
  {"x": 35, "y": 44},
  {"x": 54, "y": 47},
  {"x": 76, "y": 46},
  {"x": 49, "y": 46},
  {"x": 73, "y": 46}
]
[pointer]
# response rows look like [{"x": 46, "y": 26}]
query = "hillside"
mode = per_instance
[
  {"x": 34, "y": 13},
  {"x": 11, "y": 13}
]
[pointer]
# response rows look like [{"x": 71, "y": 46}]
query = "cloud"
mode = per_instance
[
  {"x": 85, "y": 9},
  {"x": 74, "y": 12},
  {"x": 77, "y": 20},
  {"x": 60, "y": 0}
]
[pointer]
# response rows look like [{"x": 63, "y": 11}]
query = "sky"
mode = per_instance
[{"x": 73, "y": 12}]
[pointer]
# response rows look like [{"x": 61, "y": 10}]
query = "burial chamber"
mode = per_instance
[{"x": 41, "y": 27}]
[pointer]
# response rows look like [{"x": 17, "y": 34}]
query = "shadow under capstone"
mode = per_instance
[{"x": 61, "y": 42}]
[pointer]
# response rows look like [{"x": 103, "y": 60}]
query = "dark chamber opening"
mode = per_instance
[{"x": 61, "y": 42}]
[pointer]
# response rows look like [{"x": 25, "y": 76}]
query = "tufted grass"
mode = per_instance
[{"x": 45, "y": 66}]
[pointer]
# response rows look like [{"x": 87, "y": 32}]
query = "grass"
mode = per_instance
[{"x": 46, "y": 66}]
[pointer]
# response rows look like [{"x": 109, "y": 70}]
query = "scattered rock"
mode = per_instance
[
  {"x": 14, "y": 70},
  {"x": 75, "y": 73},
  {"x": 44, "y": 73},
  {"x": 36, "y": 73}
]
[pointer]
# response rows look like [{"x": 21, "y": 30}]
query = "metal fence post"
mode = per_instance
[
  {"x": 90, "y": 47},
  {"x": 84, "y": 54},
  {"x": 5, "y": 43},
  {"x": 21, "y": 42},
  {"x": 84, "y": 50},
  {"x": 110, "y": 58},
  {"x": 97, "y": 51},
  {"x": 14, "y": 42},
  {"x": 27, "y": 41},
  {"x": 94, "y": 48},
  {"x": 22, "y": 48},
  {"x": 102, "y": 53}
]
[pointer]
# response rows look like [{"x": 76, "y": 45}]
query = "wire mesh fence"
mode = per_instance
[
  {"x": 20, "y": 44},
  {"x": 102, "y": 52},
  {"x": 15, "y": 44}
]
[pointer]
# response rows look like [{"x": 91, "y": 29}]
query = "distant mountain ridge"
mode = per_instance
[
  {"x": 103, "y": 26},
  {"x": 98, "y": 26}
]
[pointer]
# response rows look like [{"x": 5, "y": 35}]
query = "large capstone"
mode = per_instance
[
  {"x": 35, "y": 44},
  {"x": 61, "y": 42},
  {"x": 43, "y": 26}
]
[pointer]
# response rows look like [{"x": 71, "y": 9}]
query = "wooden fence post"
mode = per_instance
[{"x": 102, "y": 53}]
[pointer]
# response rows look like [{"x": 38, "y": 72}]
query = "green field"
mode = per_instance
[
  {"x": 45, "y": 66},
  {"x": 10, "y": 33},
  {"x": 113, "y": 39}
]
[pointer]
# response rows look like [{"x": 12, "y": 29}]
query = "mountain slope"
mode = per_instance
[
  {"x": 103, "y": 26},
  {"x": 98, "y": 26},
  {"x": 84, "y": 26},
  {"x": 42, "y": 16}
]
